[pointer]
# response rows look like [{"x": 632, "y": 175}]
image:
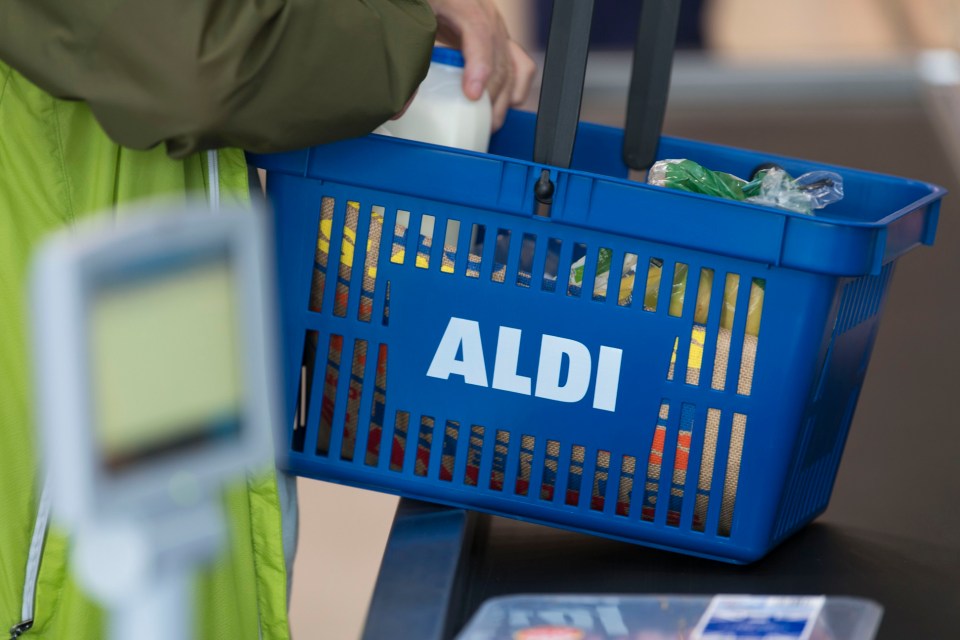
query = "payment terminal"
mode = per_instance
[{"x": 154, "y": 383}]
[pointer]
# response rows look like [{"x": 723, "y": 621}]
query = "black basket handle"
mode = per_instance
[
  {"x": 564, "y": 66},
  {"x": 561, "y": 91},
  {"x": 650, "y": 81}
]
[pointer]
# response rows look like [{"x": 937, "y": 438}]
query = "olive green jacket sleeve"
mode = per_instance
[{"x": 262, "y": 75}]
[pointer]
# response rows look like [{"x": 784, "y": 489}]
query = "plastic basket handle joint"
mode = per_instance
[
  {"x": 561, "y": 92},
  {"x": 564, "y": 67}
]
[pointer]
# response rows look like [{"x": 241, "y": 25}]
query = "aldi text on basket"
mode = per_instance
[{"x": 462, "y": 338}]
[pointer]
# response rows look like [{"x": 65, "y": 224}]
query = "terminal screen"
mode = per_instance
[{"x": 166, "y": 373}]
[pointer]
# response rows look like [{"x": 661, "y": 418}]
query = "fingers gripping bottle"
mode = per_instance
[{"x": 440, "y": 113}]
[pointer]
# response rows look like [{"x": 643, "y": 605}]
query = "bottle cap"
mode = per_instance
[{"x": 448, "y": 56}]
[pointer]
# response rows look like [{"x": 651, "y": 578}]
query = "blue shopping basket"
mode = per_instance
[{"x": 692, "y": 392}]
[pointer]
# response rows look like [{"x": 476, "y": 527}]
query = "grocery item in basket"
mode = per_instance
[
  {"x": 677, "y": 291},
  {"x": 770, "y": 186},
  {"x": 809, "y": 191},
  {"x": 695, "y": 359},
  {"x": 687, "y": 175}
]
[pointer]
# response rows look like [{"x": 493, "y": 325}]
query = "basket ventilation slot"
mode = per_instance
[
  {"x": 302, "y": 409},
  {"x": 727, "y": 314},
  {"x": 378, "y": 409},
  {"x": 501, "y": 450},
  {"x": 651, "y": 295},
  {"x": 474, "y": 455},
  {"x": 707, "y": 460},
  {"x": 681, "y": 460},
  {"x": 575, "y": 474},
  {"x": 329, "y": 399},
  {"x": 698, "y": 335},
  {"x": 368, "y": 284},
  {"x": 551, "y": 466},
  {"x": 425, "y": 242},
  {"x": 551, "y": 265},
  {"x": 578, "y": 264},
  {"x": 654, "y": 464},
  {"x": 603, "y": 274},
  {"x": 354, "y": 392},
  {"x": 448, "y": 454},
  {"x": 628, "y": 281},
  {"x": 321, "y": 255},
  {"x": 528, "y": 248},
  {"x": 448, "y": 258},
  {"x": 751, "y": 338},
  {"x": 678, "y": 292},
  {"x": 600, "y": 478},
  {"x": 525, "y": 465},
  {"x": 398, "y": 248},
  {"x": 628, "y": 470},
  {"x": 500, "y": 254},
  {"x": 475, "y": 258},
  {"x": 401, "y": 426},
  {"x": 424, "y": 446},
  {"x": 348, "y": 248},
  {"x": 732, "y": 477}
]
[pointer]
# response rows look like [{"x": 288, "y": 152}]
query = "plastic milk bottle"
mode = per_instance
[{"x": 440, "y": 113}]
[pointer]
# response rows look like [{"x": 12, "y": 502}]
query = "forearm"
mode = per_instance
[{"x": 204, "y": 73}]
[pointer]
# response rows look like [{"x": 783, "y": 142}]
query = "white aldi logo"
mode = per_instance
[{"x": 462, "y": 337}]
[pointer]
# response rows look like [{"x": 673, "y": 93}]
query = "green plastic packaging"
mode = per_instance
[{"x": 770, "y": 186}]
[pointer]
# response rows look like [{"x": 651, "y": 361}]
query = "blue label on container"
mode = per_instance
[{"x": 759, "y": 618}]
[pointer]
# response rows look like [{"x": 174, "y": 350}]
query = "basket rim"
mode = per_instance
[{"x": 935, "y": 192}]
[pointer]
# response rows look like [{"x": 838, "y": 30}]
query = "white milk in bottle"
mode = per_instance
[{"x": 440, "y": 113}]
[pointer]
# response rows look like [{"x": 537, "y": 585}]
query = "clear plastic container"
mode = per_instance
[
  {"x": 440, "y": 113},
  {"x": 666, "y": 617}
]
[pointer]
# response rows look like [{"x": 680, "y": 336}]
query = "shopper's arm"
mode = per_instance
[{"x": 261, "y": 75}]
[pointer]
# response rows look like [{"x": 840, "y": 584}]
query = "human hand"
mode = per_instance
[{"x": 493, "y": 61}]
